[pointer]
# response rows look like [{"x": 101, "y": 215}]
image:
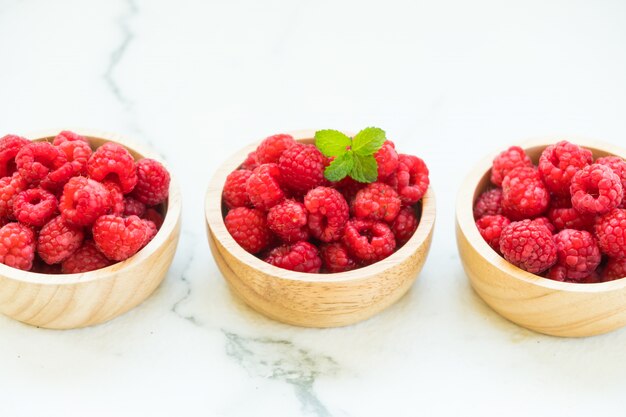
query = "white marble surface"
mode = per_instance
[{"x": 449, "y": 80}]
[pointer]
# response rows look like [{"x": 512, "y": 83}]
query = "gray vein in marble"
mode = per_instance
[
  {"x": 281, "y": 360},
  {"x": 183, "y": 278}
]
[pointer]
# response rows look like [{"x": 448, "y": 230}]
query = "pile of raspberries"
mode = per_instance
[
  {"x": 563, "y": 219},
  {"x": 65, "y": 208},
  {"x": 281, "y": 208}
]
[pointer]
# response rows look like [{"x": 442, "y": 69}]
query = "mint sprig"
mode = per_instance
[{"x": 353, "y": 157}]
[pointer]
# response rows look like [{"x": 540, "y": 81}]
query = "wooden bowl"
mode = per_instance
[
  {"x": 313, "y": 300},
  {"x": 68, "y": 301},
  {"x": 540, "y": 304}
]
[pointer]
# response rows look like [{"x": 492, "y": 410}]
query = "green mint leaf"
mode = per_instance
[
  {"x": 332, "y": 142},
  {"x": 368, "y": 141},
  {"x": 365, "y": 169},
  {"x": 340, "y": 167}
]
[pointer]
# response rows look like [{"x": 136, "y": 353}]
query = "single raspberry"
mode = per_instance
[
  {"x": 10, "y": 145},
  {"x": 17, "y": 246},
  {"x": 489, "y": 203},
  {"x": 119, "y": 238},
  {"x": 288, "y": 220},
  {"x": 596, "y": 189},
  {"x": 336, "y": 258},
  {"x": 618, "y": 165},
  {"x": 67, "y": 136},
  {"x": 377, "y": 201},
  {"x": 87, "y": 258},
  {"x": 411, "y": 179},
  {"x": 77, "y": 153},
  {"x": 234, "y": 193},
  {"x": 249, "y": 228},
  {"x": 271, "y": 148},
  {"x": 302, "y": 167},
  {"x": 544, "y": 221},
  {"x": 153, "y": 182},
  {"x": 528, "y": 245},
  {"x": 611, "y": 233},
  {"x": 570, "y": 218},
  {"x": 58, "y": 239},
  {"x": 559, "y": 163},
  {"x": 34, "y": 207},
  {"x": 133, "y": 207},
  {"x": 523, "y": 194},
  {"x": 10, "y": 187},
  {"x": 112, "y": 162},
  {"x": 615, "y": 269},
  {"x": 117, "y": 202},
  {"x": 83, "y": 201},
  {"x": 578, "y": 252},
  {"x": 250, "y": 163},
  {"x": 328, "y": 213},
  {"x": 505, "y": 162},
  {"x": 490, "y": 228},
  {"x": 263, "y": 186},
  {"x": 300, "y": 257},
  {"x": 387, "y": 160},
  {"x": 405, "y": 225},
  {"x": 38, "y": 160},
  {"x": 368, "y": 240},
  {"x": 154, "y": 216}
]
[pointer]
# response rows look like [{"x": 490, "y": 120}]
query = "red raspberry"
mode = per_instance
[
  {"x": 133, "y": 207},
  {"x": 119, "y": 238},
  {"x": 17, "y": 246},
  {"x": 505, "y": 162},
  {"x": 288, "y": 220},
  {"x": 570, "y": 218},
  {"x": 34, "y": 207},
  {"x": 488, "y": 203},
  {"x": 153, "y": 182},
  {"x": 116, "y": 202},
  {"x": 559, "y": 163},
  {"x": 578, "y": 252},
  {"x": 250, "y": 163},
  {"x": 490, "y": 228},
  {"x": 611, "y": 233},
  {"x": 618, "y": 165},
  {"x": 38, "y": 160},
  {"x": 58, "y": 239},
  {"x": 112, "y": 162},
  {"x": 249, "y": 228},
  {"x": 83, "y": 201},
  {"x": 336, "y": 258},
  {"x": 263, "y": 186},
  {"x": 77, "y": 153},
  {"x": 411, "y": 179},
  {"x": 377, "y": 201},
  {"x": 387, "y": 160},
  {"x": 10, "y": 145},
  {"x": 523, "y": 194},
  {"x": 10, "y": 187},
  {"x": 300, "y": 257},
  {"x": 87, "y": 258},
  {"x": 405, "y": 225},
  {"x": 544, "y": 221},
  {"x": 557, "y": 273},
  {"x": 235, "y": 194},
  {"x": 528, "y": 245},
  {"x": 154, "y": 216},
  {"x": 349, "y": 188},
  {"x": 369, "y": 241},
  {"x": 596, "y": 189},
  {"x": 615, "y": 269},
  {"x": 67, "y": 136},
  {"x": 302, "y": 167},
  {"x": 328, "y": 213},
  {"x": 271, "y": 148}
]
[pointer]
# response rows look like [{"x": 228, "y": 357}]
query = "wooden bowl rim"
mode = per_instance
[
  {"x": 215, "y": 221},
  {"x": 174, "y": 208},
  {"x": 465, "y": 218}
]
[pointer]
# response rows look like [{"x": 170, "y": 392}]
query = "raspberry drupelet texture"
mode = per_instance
[
  {"x": 596, "y": 189},
  {"x": 578, "y": 252},
  {"x": 368, "y": 240},
  {"x": 17, "y": 246},
  {"x": 611, "y": 233},
  {"x": 250, "y": 163},
  {"x": 34, "y": 207},
  {"x": 133, "y": 207},
  {"x": 234, "y": 193},
  {"x": 302, "y": 167},
  {"x": 615, "y": 269},
  {"x": 58, "y": 239},
  {"x": 77, "y": 153},
  {"x": 617, "y": 164},
  {"x": 523, "y": 194},
  {"x": 263, "y": 186},
  {"x": 10, "y": 145},
  {"x": 557, "y": 273},
  {"x": 154, "y": 216},
  {"x": 288, "y": 220},
  {"x": 328, "y": 213},
  {"x": 387, "y": 160},
  {"x": 153, "y": 182},
  {"x": 570, "y": 218},
  {"x": 10, "y": 187},
  {"x": 349, "y": 188},
  {"x": 405, "y": 225},
  {"x": 488, "y": 203},
  {"x": 249, "y": 228},
  {"x": 377, "y": 201},
  {"x": 411, "y": 179},
  {"x": 83, "y": 201},
  {"x": 529, "y": 246},
  {"x": 37, "y": 160},
  {"x": 506, "y": 161},
  {"x": 271, "y": 148},
  {"x": 116, "y": 203},
  {"x": 336, "y": 258},
  {"x": 544, "y": 221},
  {"x": 119, "y": 238},
  {"x": 490, "y": 228},
  {"x": 300, "y": 257},
  {"x": 559, "y": 163},
  {"x": 68, "y": 136},
  {"x": 112, "y": 162},
  {"x": 86, "y": 258}
]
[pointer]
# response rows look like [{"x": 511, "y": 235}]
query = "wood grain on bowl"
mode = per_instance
[
  {"x": 540, "y": 304},
  {"x": 313, "y": 300}
]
